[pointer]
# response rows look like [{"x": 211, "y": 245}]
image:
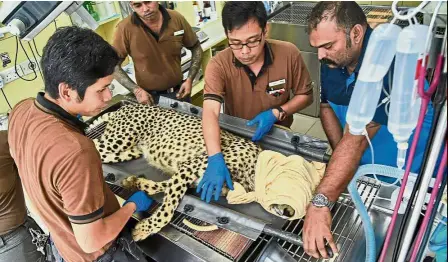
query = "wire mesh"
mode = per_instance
[{"x": 345, "y": 227}]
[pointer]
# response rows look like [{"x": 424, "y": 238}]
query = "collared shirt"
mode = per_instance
[
  {"x": 156, "y": 56},
  {"x": 12, "y": 201},
  {"x": 60, "y": 170},
  {"x": 244, "y": 94},
  {"x": 337, "y": 84}
]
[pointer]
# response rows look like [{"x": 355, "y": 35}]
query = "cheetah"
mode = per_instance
[{"x": 172, "y": 142}]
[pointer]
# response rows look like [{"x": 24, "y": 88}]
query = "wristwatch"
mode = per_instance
[
  {"x": 281, "y": 113},
  {"x": 320, "y": 200}
]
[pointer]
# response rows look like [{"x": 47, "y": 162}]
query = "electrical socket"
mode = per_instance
[{"x": 24, "y": 68}]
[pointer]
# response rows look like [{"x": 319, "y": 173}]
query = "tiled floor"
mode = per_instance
[{"x": 308, "y": 125}]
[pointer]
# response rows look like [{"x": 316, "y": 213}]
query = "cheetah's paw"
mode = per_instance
[
  {"x": 143, "y": 230},
  {"x": 130, "y": 182}
]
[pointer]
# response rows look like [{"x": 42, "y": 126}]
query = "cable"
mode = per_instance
[
  {"x": 35, "y": 47},
  {"x": 429, "y": 35},
  {"x": 10, "y": 107},
  {"x": 432, "y": 218},
  {"x": 434, "y": 192},
  {"x": 440, "y": 97},
  {"x": 15, "y": 61},
  {"x": 409, "y": 15},
  {"x": 35, "y": 59},
  {"x": 424, "y": 106}
]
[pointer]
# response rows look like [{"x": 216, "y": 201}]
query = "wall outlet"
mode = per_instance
[{"x": 24, "y": 68}]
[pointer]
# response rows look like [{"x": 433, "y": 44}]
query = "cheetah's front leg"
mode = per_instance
[
  {"x": 177, "y": 186},
  {"x": 148, "y": 186}
]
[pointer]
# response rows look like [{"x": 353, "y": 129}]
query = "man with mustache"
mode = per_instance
[
  {"x": 340, "y": 32},
  {"x": 153, "y": 36},
  {"x": 254, "y": 79}
]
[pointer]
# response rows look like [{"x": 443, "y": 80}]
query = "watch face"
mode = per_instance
[{"x": 320, "y": 200}]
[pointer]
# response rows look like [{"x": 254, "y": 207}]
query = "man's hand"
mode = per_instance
[
  {"x": 265, "y": 121},
  {"x": 141, "y": 200},
  {"x": 142, "y": 96},
  {"x": 185, "y": 89},
  {"x": 214, "y": 177},
  {"x": 316, "y": 230}
]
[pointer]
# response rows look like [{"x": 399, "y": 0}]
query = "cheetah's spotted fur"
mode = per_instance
[{"x": 172, "y": 142}]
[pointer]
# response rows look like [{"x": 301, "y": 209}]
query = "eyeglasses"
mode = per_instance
[{"x": 249, "y": 44}]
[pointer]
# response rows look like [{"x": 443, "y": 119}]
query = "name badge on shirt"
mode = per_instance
[
  {"x": 276, "y": 83},
  {"x": 276, "y": 88},
  {"x": 180, "y": 32}
]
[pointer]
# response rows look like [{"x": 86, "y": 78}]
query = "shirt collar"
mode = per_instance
[
  {"x": 136, "y": 20},
  {"x": 268, "y": 57},
  {"x": 365, "y": 42},
  {"x": 51, "y": 108}
]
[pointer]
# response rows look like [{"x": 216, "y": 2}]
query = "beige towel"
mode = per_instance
[{"x": 281, "y": 180}]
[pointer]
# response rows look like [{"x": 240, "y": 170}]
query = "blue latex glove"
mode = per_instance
[
  {"x": 265, "y": 121},
  {"x": 214, "y": 177},
  {"x": 141, "y": 200}
]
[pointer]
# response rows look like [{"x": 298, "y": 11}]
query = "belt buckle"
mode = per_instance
[{"x": 171, "y": 90}]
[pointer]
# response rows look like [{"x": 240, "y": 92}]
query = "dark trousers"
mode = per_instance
[
  {"x": 124, "y": 249},
  {"x": 17, "y": 246}
]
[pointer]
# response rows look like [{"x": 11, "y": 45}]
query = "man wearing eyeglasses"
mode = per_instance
[{"x": 254, "y": 78}]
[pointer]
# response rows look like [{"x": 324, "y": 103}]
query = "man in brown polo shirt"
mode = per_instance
[
  {"x": 254, "y": 78},
  {"x": 153, "y": 36},
  {"x": 60, "y": 168},
  {"x": 15, "y": 237}
]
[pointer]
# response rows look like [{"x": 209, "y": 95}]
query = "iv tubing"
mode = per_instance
[
  {"x": 427, "y": 175},
  {"x": 438, "y": 102},
  {"x": 425, "y": 222},
  {"x": 409, "y": 15},
  {"x": 424, "y": 106},
  {"x": 431, "y": 220},
  {"x": 429, "y": 35}
]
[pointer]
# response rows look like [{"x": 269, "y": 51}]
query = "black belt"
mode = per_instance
[{"x": 165, "y": 92}]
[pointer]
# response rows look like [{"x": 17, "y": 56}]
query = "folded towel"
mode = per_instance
[{"x": 281, "y": 180}]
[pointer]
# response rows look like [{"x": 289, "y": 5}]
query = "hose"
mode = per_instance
[
  {"x": 429, "y": 169},
  {"x": 439, "y": 99},
  {"x": 431, "y": 219},
  {"x": 352, "y": 189},
  {"x": 426, "y": 96},
  {"x": 425, "y": 222}
]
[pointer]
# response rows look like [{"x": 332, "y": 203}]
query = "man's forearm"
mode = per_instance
[
  {"x": 297, "y": 103},
  {"x": 344, "y": 162},
  {"x": 123, "y": 78},
  {"x": 101, "y": 232},
  {"x": 331, "y": 125},
  {"x": 211, "y": 131},
  {"x": 196, "y": 59}
]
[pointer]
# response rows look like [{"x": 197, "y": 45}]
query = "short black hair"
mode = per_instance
[
  {"x": 237, "y": 13},
  {"x": 347, "y": 14},
  {"x": 78, "y": 57}
]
